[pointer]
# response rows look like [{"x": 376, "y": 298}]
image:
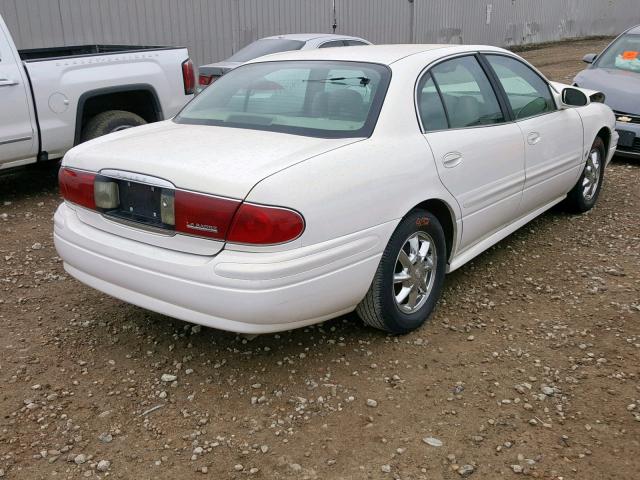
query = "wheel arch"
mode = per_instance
[
  {"x": 605, "y": 134},
  {"x": 141, "y": 99},
  {"x": 446, "y": 216}
]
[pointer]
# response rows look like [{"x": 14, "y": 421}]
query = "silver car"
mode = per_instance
[
  {"x": 279, "y": 43},
  {"x": 616, "y": 73}
]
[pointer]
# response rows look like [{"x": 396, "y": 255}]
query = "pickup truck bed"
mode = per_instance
[
  {"x": 54, "y": 98},
  {"x": 56, "y": 53}
]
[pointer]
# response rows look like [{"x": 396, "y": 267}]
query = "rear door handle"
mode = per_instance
[
  {"x": 452, "y": 159},
  {"x": 533, "y": 138},
  {"x": 5, "y": 82}
]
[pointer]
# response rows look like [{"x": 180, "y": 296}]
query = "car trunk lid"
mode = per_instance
[{"x": 154, "y": 160}]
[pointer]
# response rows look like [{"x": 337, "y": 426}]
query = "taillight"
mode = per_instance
[
  {"x": 188, "y": 77},
  {"x": 262, "y": 225},
  {"x": 203, "y": 215},
  {"x": 77, "y": 187},
  {"x": 205, "y": 80},
  {"x": 186, "y": 212},
  {"x": 225, "y": 219}
]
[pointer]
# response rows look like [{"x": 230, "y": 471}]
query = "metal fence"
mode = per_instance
[{"x": 213, "y": 29}]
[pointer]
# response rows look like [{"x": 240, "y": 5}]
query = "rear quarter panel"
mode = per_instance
[
  {"x": 58, "y": 85},
  {"x": 355, "y": 187}
]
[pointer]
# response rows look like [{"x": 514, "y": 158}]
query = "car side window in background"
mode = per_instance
[
  {"x": 430, "y": 106},
  {"x": 280, "y": 92},
  {"x": 527, "y": 92},
  {"x": 335, "y": 43},
  {"x": 467, "y": 93},
  {"x": 354, "y": 43}
]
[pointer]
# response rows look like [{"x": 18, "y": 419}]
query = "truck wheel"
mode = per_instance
[
  {"x": 109, "y": 122},
  {"x": 410, "y": 276}
]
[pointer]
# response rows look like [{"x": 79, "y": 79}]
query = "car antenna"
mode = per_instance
[{"x": 335, "y": 17}]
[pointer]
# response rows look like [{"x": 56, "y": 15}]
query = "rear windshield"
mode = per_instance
[
  {"x": 265, "y": 46},
  {"x": 623, "y": 54},
  {"x": 313, "y": 98}
]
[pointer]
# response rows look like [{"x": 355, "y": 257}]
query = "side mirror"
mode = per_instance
[
  {"x": 572, "y": 97},
  {"x": 590, "y": 57}
]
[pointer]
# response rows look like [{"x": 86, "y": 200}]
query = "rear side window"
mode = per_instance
[
  {"x": 432, "y": 114},
  {"x": 467, "y": 94},
  {"x": 354, "y": 43},
  {"x": 527, "y": 92},
  {"x": 334, "y": 43}
]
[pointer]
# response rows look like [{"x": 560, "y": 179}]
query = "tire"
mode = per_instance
[
  {"x": 584, "y": 195},
  {"x": 109, "y": 122},
  {"x": 380, "y": 307}
]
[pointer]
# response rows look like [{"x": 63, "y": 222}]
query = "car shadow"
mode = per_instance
[{"x": 26, "y": 182}]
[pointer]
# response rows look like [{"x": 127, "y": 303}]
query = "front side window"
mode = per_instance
[
  {"x": 623, "y": 54},
  {"x": 265, "y": 46},
  {"x": 312, "y": 98},
  {"x": 467, "y": 94},
  {"x": 528, "y": 93}
]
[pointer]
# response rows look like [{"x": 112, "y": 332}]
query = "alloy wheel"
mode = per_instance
[{"x": 414, "y": 272}]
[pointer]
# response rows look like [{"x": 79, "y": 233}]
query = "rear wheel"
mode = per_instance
[
  {"x": 584, "y": 194},
  {"x": 109, "y": 122},
  {"x": 409, "y": 278}
]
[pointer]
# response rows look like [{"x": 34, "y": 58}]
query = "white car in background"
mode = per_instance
[
  {"x": 309, "y": 184},
  {"x": 276, "y": 44}
]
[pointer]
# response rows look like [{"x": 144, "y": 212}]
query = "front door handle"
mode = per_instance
[
  {"x": 452, "y": 159},
  {"x": 5, "y": 82},
  {"x": 533, "y": 138}
]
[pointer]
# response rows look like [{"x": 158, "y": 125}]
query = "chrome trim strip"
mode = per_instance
[
  {"x": 137, "y": 178},
  {"x": 15, "y": 140}
]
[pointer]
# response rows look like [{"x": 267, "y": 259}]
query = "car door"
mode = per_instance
[
  {"x": 553, "y": 138},
  {"x": 17, "y": 140},
  {"x": 478, "y": 154}
]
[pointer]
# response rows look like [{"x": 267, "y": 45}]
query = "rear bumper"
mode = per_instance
[{"x": 245, "y": 292}]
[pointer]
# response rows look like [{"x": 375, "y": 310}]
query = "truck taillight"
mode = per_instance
[
  {"x": 206, "y": 80},
  {"x": 188, "y": 77},
  {"x": 77, "y": 187},
  {"x": 263, "y": 225}
]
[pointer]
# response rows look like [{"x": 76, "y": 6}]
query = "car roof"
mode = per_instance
[
  {"x": 634, "y": 30},
  {"x": 305, "y": 37},
  {"x": 384, "y": 54}
]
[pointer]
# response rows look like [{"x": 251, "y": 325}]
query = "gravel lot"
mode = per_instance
[{"x": 530, "y": 366}]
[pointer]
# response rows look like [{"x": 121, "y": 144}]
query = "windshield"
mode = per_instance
[
  {"x": 313, "y": 98},
  {"x": 623, "y": 54},
  {"x": 265, "y": 46}
]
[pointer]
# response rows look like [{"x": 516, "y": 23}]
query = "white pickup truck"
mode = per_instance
[{"x": 54, "y": 98}]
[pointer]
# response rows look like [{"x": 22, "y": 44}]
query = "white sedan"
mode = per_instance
[{"x": 309, "y": 184}]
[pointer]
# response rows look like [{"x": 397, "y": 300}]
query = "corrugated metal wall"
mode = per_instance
[{"x": 213, "y": 29}]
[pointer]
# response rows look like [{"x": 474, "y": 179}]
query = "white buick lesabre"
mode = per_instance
[{"x": 309, "y": 184}]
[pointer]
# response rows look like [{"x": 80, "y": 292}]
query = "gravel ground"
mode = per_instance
[{"x": 528, "y": 368}]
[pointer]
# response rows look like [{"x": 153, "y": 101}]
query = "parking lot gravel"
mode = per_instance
[{"x": 529, "y": 367}]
